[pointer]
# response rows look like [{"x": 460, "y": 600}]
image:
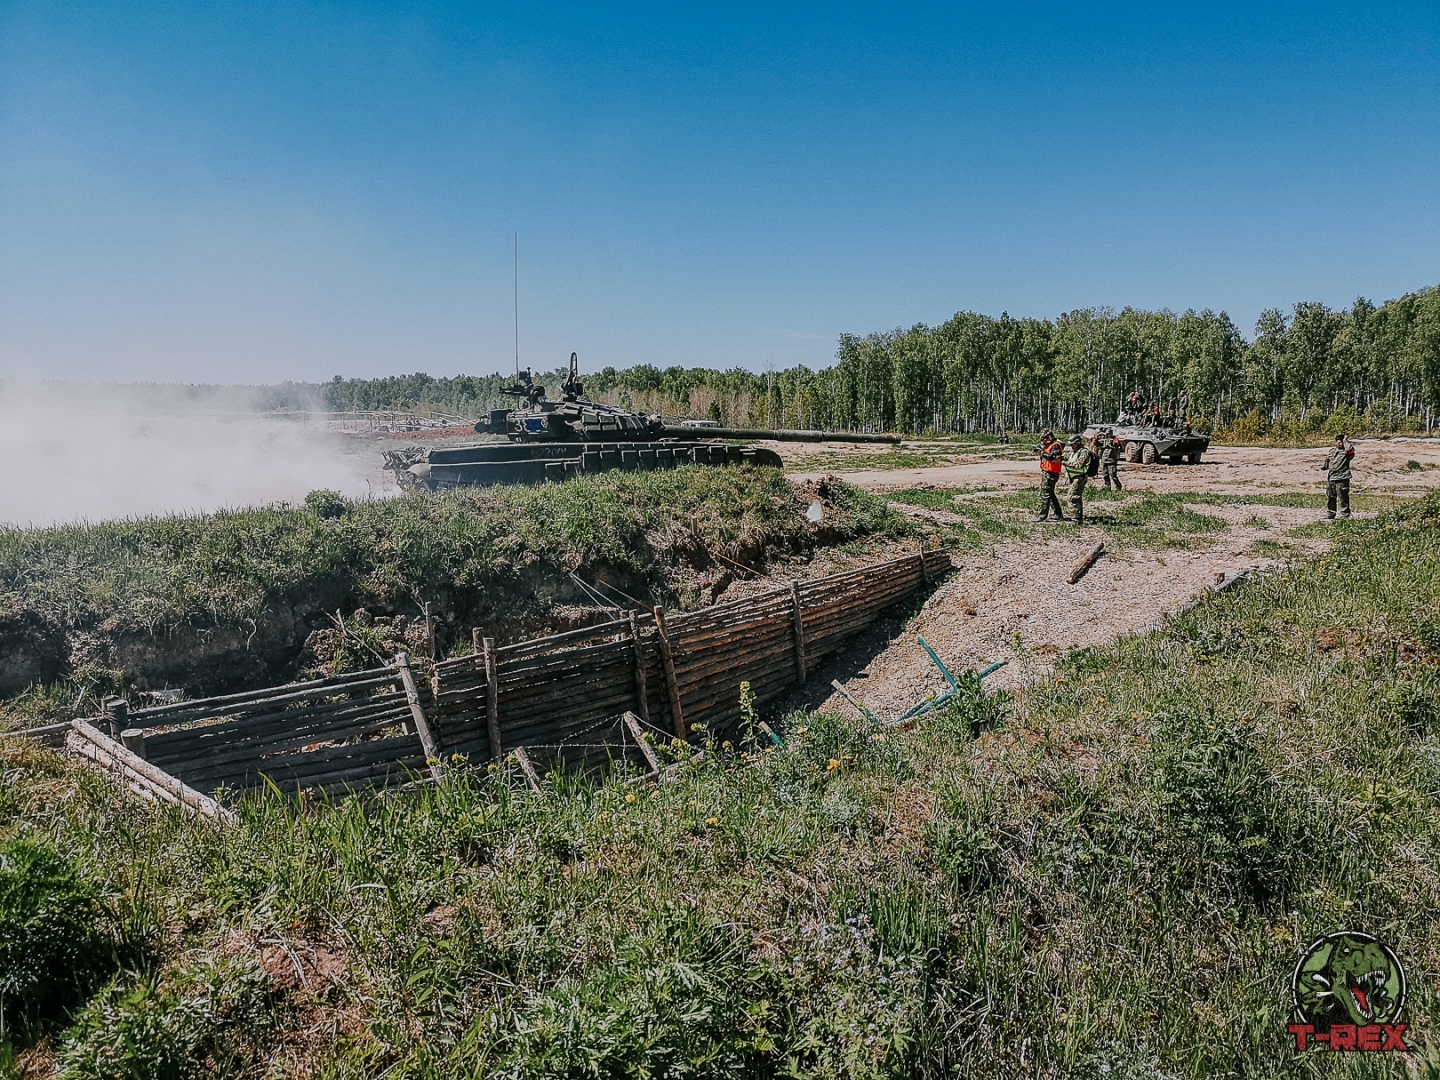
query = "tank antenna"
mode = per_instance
[{"x": 517, "y": 304}]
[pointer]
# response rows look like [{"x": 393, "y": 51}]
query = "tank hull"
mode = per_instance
[{"x": 484, "y": 464}]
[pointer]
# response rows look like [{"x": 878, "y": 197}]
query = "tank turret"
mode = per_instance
[{"x": 554, "y": 439}]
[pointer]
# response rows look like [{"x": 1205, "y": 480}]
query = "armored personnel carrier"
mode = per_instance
[
  {"x": 554, "y": 440},
  {"x": 1148, "y": 439}
]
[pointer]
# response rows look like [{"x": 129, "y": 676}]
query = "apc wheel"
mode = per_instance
[
  {"x": 1148, "y": 454},
  {"x": 1132, "y": 452},
  {"x": 1192, "y": 459}
]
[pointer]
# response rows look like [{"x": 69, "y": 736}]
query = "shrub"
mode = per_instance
[
  {"x": 1252, "y": 427},
  {"x": 56, "y": 938},
  {"x": 325, "y": 503},
  {"x": 1384, "y": 415},
  {"x": 970, "y": 709},
  {"x": 679, "y": 999},
  {"x": 1346, "y": 421},
  {"x": 203, "y": 1021}
]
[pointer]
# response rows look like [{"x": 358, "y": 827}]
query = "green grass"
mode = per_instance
[
  {"x": 1134, "y": 519},
  {"x": 1111, "y": 880},
  {"x": 1275, "y": 549}
]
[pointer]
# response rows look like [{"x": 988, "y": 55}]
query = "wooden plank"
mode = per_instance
[
  {"x": 198, "y": 767},
  {"x": 528, "y": 768},
  {"x": 428, "y": 742},
  {"x": 48, "y": 735},
  {"x": 552, "y": 665},
  {"x": 100, "y": 747},
  {"x": 632, "y": 722},
  {"x": 667, "y": 660},
  {"x": 614, "y": 626},
  {"x": 492, "y": 699},
  {"x": 799, "y": 631},
  {"x": 389, "y": 770},
  {"x": 262, "y": 712},
  {"x": 343, "y": 726},
  {"x": 309, "y": 768},
  {"x": 642, "y": 695},
  {"x": 290, "y": 691},
  {"x": 316, "y": 717},
  {"x": 524, "y": 729}
]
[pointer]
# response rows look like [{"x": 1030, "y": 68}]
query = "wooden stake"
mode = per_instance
[
  {"x": 861, "y": 708},
  {"x": 798, "y": 615},
  {"x": 492, "y": 697},
  {"x": 528, "y": 768},
  {"x": 741, "y": 565},
  {"x": 633, "y": 723},
  {"x": 133, "y": 739},
  {"x": 667, "y": 659},
  {"x": 924, "y": 573},
  {"x": 117, "y": 709},
  {"x": 422, "y": 728},
  {"x": 642, "y": 694},
  {"x": 1088, "y": 561}
]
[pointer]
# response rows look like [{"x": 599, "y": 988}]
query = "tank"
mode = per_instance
[
  {"x": 1152, "y": 438},
  {"x": 556, "y": 439}
]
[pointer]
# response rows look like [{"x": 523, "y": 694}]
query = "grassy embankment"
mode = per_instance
[
  {"x": 261, "y": 579},
  {"x": 1112, "y": 881}
]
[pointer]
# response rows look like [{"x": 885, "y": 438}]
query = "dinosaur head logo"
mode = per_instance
[{"x": 1348, "y": 991}]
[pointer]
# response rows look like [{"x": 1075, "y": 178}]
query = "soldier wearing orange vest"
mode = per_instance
[{"x": 1051, "y": 458}]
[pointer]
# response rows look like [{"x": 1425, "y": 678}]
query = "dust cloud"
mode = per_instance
[{"x": 93, "y": 452}]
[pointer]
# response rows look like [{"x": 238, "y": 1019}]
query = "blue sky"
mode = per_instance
[{"x": 249, "y": 192}]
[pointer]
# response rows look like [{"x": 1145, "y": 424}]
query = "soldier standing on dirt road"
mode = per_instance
[
  {"x": 1050, "y": 453},
  {"x": 1337, "y": 477},
  {"x": 1108, "y": 447},
  {"x": 1077, "y": 468}
]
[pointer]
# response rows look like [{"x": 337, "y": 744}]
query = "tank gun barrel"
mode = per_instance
[{"x": 671, "y": 431}]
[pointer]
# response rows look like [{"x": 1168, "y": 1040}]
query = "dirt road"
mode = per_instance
[
  {"x": 1378, "y": 464},
  {"x": 1014, "y": 604}
]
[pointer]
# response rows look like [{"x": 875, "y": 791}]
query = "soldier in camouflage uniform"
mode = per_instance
[
  {"x": 1051, "y": 453},
  {"x": 1077, "y": 470},
  {"x": 1337, "y": 477},
  {"x": 1108, "y": 447}
]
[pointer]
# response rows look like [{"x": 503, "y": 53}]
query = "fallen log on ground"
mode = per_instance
[{"x": 1088, "y": 561}]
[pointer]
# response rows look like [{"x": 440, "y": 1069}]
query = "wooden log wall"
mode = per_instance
[
  {"x": 556, "y": 690},
  {"x": 354, "y": 730},
  {"x": 561, "y": 697}
]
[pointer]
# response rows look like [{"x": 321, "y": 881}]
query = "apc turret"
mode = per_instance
[{"x": 554, "y": 440}]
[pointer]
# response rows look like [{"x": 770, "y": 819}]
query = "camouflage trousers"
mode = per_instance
[
  {"x": 1048, "y": 501},
  {"x": 1077, "y": 497},
  {"x": 1110, "y": 473},
  {"x": 1337, "y": 490}
]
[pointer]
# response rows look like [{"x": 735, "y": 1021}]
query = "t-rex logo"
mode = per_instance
[{"x": 1349, "y": 983}]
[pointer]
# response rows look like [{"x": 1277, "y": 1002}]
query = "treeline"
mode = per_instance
[{"x": 1365, "y": 368}]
